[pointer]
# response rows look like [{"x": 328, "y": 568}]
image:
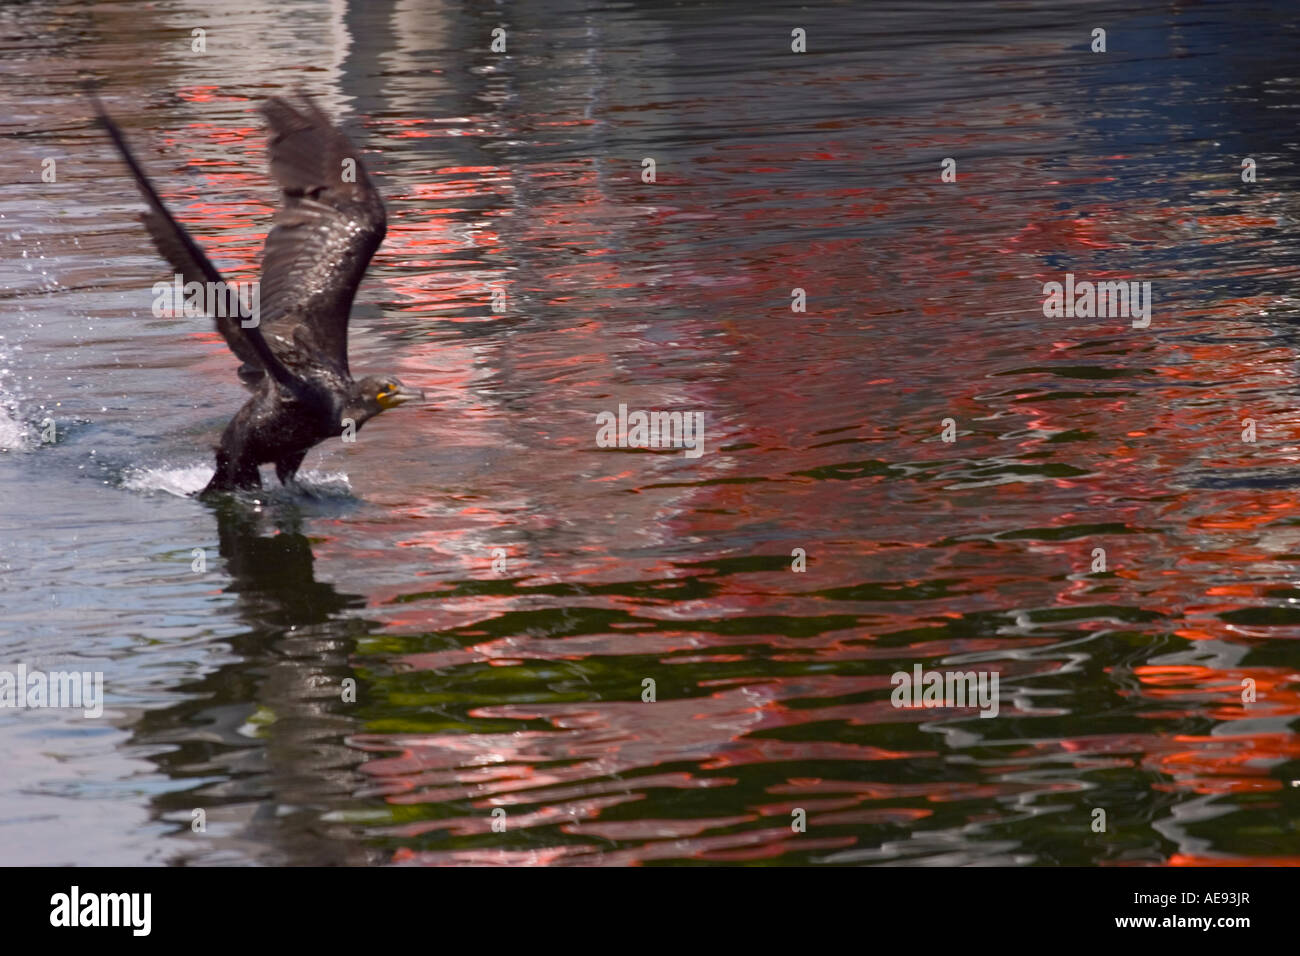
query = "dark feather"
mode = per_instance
[{"x": 324, "y": 235}]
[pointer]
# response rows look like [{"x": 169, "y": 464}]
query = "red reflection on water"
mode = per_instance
[{"x": 831, "y": 443}]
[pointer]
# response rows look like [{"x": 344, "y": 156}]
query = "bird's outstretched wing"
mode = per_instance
[
  {"x": 330, "y": 223},
  {"x": 177, "y": 246}
]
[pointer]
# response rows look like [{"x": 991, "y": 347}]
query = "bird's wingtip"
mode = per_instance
[{"x": 91, "y": 89}]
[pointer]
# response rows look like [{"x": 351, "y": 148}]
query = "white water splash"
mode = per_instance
[
  {"x": 185, "y": 480},
  {"x": 326, "y": 484},
  {"x": 181, "y": 482},
  {"x": 14, "y": 434}
]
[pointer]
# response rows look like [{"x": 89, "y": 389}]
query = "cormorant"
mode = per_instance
[{"x": 295, "y": 348}]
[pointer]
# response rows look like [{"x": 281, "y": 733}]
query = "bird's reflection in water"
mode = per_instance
[{"x": 261, "y": 737}]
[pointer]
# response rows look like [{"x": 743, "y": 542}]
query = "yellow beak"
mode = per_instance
[{"x": 398, "y": 396}]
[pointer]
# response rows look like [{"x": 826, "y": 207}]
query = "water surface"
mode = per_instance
[{"x": 483, "y": 687}]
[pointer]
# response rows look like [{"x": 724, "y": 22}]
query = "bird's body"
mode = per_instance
[
  {"x": 293, "y": 345},
  {"x": 271, "y": 427}
]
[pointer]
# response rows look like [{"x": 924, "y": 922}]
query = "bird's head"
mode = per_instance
[{"x": 374, "y": 393}]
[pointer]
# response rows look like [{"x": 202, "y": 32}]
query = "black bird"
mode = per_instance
[{"x": 294, "y": 348}]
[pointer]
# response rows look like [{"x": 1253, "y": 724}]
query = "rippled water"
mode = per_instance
[{"x": 517, "y": 687}]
